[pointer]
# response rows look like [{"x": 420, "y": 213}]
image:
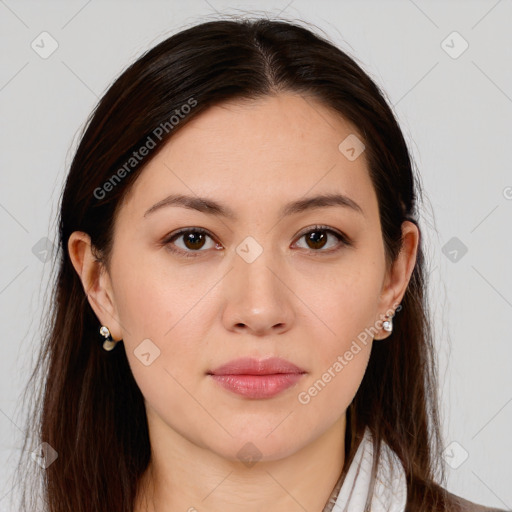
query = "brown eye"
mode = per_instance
[
  {"x": 318, "y": 238},
  {"x": 193, "y": 240}
]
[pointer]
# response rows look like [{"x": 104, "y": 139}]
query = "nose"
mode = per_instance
[{"x": 258, "y": 298}]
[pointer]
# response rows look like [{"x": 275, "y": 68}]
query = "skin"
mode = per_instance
[{"x": 292, "y": 302}]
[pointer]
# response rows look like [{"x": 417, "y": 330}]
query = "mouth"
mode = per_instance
[{"x": 257, "y": 379}]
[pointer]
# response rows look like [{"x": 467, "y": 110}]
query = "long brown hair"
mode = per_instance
[{"x": 89, "y": 407}]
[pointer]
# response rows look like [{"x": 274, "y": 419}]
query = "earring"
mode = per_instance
[
  {"x": 109, "y": 343},
  {"x": 387, "y": 325}
]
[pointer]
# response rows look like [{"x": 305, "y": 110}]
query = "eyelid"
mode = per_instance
[
  {"x": 343, "y": 239},
  {"x": 321, "y": 227},
  {"x": 176, "y": 234}
]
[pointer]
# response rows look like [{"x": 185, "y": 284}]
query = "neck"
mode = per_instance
[{"x": 187, "y": 477}]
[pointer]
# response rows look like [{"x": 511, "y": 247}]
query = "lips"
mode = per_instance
[
  {"x": 251, "y": 366},
  {"x": 257, "y": 379}
]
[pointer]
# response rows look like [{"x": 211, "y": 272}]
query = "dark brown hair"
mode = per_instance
[{"x": 89, "y": 407}]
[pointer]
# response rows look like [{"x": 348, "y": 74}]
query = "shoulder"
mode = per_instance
[{"x": 458, "y": 504}]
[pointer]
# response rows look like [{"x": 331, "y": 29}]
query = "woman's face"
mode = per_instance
[{"x": 260, "y": 282}]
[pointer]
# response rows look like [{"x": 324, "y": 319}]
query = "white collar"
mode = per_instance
[{"x": 390, "y": 493}]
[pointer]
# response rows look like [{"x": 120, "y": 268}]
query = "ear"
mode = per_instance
[
  {"x": 398, "y": 276},
  {"x": 95, "y": 281}
]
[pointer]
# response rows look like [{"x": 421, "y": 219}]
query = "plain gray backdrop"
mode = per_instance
[{"x": 444, "y": 66}]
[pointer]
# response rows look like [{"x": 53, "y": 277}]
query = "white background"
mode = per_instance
[{"x": 455, "y": 113}]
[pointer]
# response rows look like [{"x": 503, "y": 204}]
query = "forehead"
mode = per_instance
[{"x": 265, "y": 151}]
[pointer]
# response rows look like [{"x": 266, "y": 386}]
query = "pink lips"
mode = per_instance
[{"x": 253, "y": 378}]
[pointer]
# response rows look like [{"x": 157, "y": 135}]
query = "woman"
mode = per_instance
[{"x": 240, "y": 316}]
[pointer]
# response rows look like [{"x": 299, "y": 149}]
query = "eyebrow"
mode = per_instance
[{"x": 211, "y": 207}]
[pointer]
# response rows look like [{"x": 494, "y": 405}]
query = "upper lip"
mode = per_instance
[{"x": 252, "y": 366}]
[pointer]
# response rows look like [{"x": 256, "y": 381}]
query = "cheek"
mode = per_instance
[
  {"x": 340, "y": 365},
  {"x": 343, "y": 306},
  {"x": 346, "y": 306},
  {"x": 330, "y": 391},
  {"x": 147, "y": 306},
  {"x": 159, "y": 329}
]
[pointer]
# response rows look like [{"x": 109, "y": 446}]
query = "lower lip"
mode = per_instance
[{"x": 258, "y": 386}]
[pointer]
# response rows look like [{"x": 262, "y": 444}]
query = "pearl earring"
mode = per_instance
[
  {"x": 387, "y": 325},
  {"x": 109, "y": 343}
]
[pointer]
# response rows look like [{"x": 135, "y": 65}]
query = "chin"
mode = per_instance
[{"x": 255, "y": 444}]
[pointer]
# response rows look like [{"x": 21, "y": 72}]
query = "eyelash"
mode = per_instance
[{"x": 343, "y": 239}]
